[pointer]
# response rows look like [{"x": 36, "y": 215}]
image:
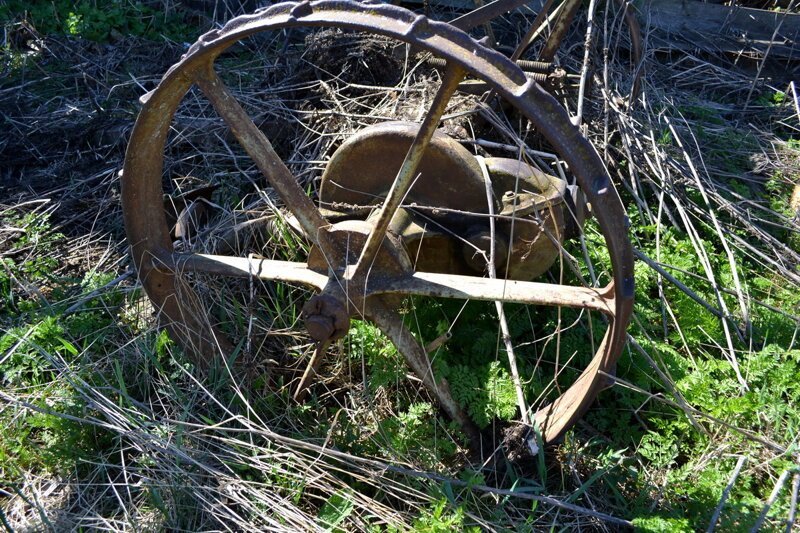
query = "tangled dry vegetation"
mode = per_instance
[{"x": 108, "y": 425}]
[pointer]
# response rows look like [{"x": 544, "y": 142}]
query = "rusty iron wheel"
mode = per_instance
[
  {"x": 379, "y": 272},
  {"x": 551, "y": 26}
]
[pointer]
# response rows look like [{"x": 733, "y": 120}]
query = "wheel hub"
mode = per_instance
[
  {"x": 325, "y": 318},
  {"x": 327, "y": 314}
]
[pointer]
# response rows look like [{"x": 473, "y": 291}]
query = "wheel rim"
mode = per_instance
[{"x": 177, "y": 304}]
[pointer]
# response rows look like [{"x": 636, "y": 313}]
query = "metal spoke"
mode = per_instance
[
  {"x": 391, "y": 323},
  {"x": 535, "y": 28},
  {"x": 311, "y": 370},
  {"x": 509, "y": 291},
  {"x": 246, "y": 267},
  {"x": 569, "y": 9},
  {"x": 416, "y": 284},
  {"x": 405, "y": 177},
  {"x": 258, "y": 147}
]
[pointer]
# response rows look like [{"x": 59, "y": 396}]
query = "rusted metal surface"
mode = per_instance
[
  {"x": 363, "y": 293},
  {"x": 241, "y": 267},
  {"x": 414, "y": 283},
  {"x": 408, "y": 170},
  {"x": 486, "y": 13},
  {"x": 448, "y": 176},
  {"x": 532, "y": 216},
  {"x": 531, "y": 223},
  {"x": 363, "y": 168},
  {"x": 542, "y": 67},
  {"x": 325, "y": 318},
  {"x": 560, "y": 27}
]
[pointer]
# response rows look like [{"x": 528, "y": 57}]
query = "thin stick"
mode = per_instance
[
  {"x": 501, "y": 315},
  {"x": 766, "y": 55},
  {"x": 586, "y": 58},
  {"x": 702, "y": 255},
  {"x": 726, "y": 493},
  {"x": 380, "y": 466},
  {"x": 675, "y": 281},
  {"x": 717, "y": 226},
  {"x": 793, "y": 508},
  {"x": 771, "y": 500},
  {"x": 667, "y": 382},
  {"x": 535, "y": 29},
  {"x": 311, "y": 370},
  {"x": 692, "y": 411},
  {"x": 487, "y": 26},
  {"x": 93, "y": 294},
  {"x": 794, "y": 99}
]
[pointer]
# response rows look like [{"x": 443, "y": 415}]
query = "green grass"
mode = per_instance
[
  {"x": 96, "y": 21},
  {"x": 95, "y": 397},
  {"x": 39, "y": 345}
]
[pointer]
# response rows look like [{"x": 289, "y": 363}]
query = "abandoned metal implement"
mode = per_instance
[{"x": 403, "y": 209}]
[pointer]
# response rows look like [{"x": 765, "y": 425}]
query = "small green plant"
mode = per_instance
[
  {"x": 659, "y": 524},
  {"x": 440, "y": 519},
  {"x": 417, "y": 433},
  {"x": 771, "y": 98},
  {"x": 335, "y": 511},
  {"x": 486, "y": 392},
  {"x": 387, "y": 366},
  {"x": 39, "y": 345},
  {"x": 93, "y": 20}
]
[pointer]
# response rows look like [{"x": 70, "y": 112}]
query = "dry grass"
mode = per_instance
[{"x": 227, "y": 449}]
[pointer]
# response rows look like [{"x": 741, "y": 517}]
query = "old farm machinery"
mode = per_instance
[{"x": 402, "y": 208}]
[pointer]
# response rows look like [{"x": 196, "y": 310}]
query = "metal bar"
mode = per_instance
[
  {"x": 506, "y": 290},
  {"x": 247, "y": 267},
  {"x": 405, "y": 177},
  {"x": 258, "y": 147},
  {"x": 570, "y": 7},
  {"x": 485, "y": 13},
  {"x": 539, "y": 67},
  {"x": 535, "y": 28},
  {"x": 391, "y": 323},
  {"x": 311, "y": 370},
  {"x": 417, "y": 284}
]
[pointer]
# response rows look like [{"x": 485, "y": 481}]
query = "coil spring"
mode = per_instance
[{"x": 541, "y": 67}]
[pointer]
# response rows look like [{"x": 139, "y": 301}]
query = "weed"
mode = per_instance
[
  {"x": 440, "y": 519},
  {"x": 660, "y": 524},
  {"x": 771, "y": 99},
  {"x": 338, "y": 507},
  {"x": 387, "y": 367},
  {"x": 94, "y": 20}
]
